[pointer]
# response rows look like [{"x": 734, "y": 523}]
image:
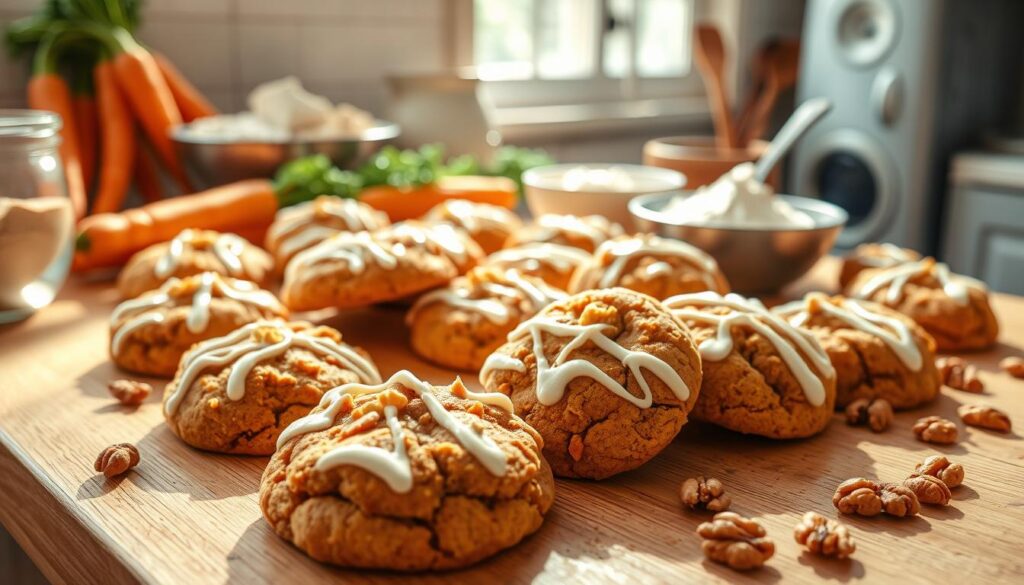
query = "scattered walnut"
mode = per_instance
[
  {"x": 869, "y": 498},
  {"x": 877, "y": 413},
  {"x": 824, "y": 537},
  {"x": 731, "y": 539},
  {"x": 935, "y": 429},
  {"x": 985, "y": 417},
  {"x": 951, "y": 474},
  {"x": 928, "y": 489},
  {"x": 956, "y": 373},
  {"x": 1013, "y": 365},
  {"x": 697, "y": 492},
  {"x": 117, "y": 459},
  {"x": 129, "y": 392}
]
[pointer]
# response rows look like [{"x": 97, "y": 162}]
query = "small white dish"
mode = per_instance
[{"x": 595, "y": 188}]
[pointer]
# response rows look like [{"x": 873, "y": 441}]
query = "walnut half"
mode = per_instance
[
  {"x": 877, "y": 413},
  {"x": 951, "y": 474},
  {"x": 935, "y": 429},
  {"x": 869, "y": 498},
  {"x": 985, "y": 417},
  {"x": 731, "y": 539},
  {"x": 928, "y": 489},
  {"x": 697, "y": 492},
  {"x": 956, "y": 373},
  {"x": 824, "y": 537}
]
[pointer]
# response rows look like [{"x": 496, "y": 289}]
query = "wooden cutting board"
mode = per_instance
[{"x": 184, "y": 516}]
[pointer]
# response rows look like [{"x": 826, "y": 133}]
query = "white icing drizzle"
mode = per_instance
[
  {"x": 145, "y": 310},
  {"x": 473, "y": 217},
  {"x": 227, "y": 248},
  {"x": 617, "y": 254},
  {"x": 786, "y": 338},
  {"x": 893, "y": 332},
  {"x": 955, "y": 286},
  {"x": 554, "y": 376},
  {"x": 595, "y": 228},
  {"x": 528, "y": 296},
  {"x": 288, "y": 231},
  {"x": 891, "y": 256},
  {"x": 245, "y": 351},
  {"x": 442, "y": 235},
  {"x": 500, "y": 361},
  {"x": 394, "y": 466},
  {"x": 532, "y": 256},
  {"x": 656, "y": 269}
]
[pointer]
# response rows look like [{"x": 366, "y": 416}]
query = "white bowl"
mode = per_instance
[{"x": 595, "y": 188}]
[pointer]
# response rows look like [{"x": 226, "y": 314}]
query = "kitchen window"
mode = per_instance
[{"x": 579, "y": 60}]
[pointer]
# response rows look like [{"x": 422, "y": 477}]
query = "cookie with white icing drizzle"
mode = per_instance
[
  {"x": 762, "y": 375},
  {"x": 873, "y": 255},
  {"x": 659, "y": 267},
  {"x": 607, "y": 377},
  {"x": 876, "y": 351},
  {"x": 584, "y": 232},
  {"x": 302, "y": 226},
  {"x": 405, "y": 475},
  {"x": 149, "y": 334},
  {"x": 192, "y": 252},
  {"x": 954, "y": 309},
  {"x": 236, "y": 393},
  {"x": 488, "y": 225},
  {"x": 356, "y": 269},
  {"x": 459, "y": 325},
  {"x": 553, "y": 263}
]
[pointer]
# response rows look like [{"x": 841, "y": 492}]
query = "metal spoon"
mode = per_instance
[{"x": 802, "y": 119}]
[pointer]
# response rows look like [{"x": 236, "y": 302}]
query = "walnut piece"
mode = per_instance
[
  {"x": 877, "y": 413},
  {"x": 1013, "y": 365},
  {"x": 117, "y": 459},
  {"x": 824, "y": 537},
  {"x": 956, "y": 373},
  {"x": 935, "y": 429},
  {"x": 985, "y": 417},
  {"x": 951, "y": 474},
  {"x": 928, "y": 489},
  {"x": 697, "y": 492},
  {"x": 731, "y": 539},
  {"x": 129, "y": 392},
  {"x": 869, "y": 498}
]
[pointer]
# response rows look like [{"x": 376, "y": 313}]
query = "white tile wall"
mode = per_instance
[{"x": 342, "y": 48}]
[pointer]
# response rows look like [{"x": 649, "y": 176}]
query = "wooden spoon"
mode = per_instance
[
  {"x": 709, "y": 52},
  {"x": 782, "y": 65}
]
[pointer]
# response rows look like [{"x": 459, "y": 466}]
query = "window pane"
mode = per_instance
[
  {"x": 663, "y": 37},
  {"x": 567, "y": 38},
  {"x": 503, "y": 38},
  {"x": 616, "y": 57}
]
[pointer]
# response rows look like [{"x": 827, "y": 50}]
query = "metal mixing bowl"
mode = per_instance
[
  {"x": 754, "y": 260},
  {"x": 215, "y": 161}
]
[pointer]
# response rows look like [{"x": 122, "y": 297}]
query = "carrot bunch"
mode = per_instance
[{"x": 118, "y": 100}]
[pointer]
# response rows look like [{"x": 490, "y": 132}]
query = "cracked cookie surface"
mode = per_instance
[
  {"x": 607, "y": 377},
  {"x": 437, "y": 504},
  {"x": 761, "y": 375},
  {"x": 877, "y": 352},
  {"x": 235, "y": 394}
]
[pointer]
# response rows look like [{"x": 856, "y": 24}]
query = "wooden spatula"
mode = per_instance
[
  {"x": 709, "y": 52},
  {"x": 781, "y": 62}
]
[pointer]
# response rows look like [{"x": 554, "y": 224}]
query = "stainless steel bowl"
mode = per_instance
[
  {"x": 215, "y": 161},
  {"x": 754, "y": 260}
]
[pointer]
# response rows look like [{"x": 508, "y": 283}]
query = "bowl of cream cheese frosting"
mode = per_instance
[{"x": 761, "y": 240}]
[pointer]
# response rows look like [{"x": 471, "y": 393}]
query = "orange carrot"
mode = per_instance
[
  {"x": 151, "y": 102},
  {"x": 191, "y": 102},
  {"x": 117, "y": 141},
  {"x": 402, "y": 203},
  {"x": 86, "y": 125},
  {"x": 109, "y": 239},
  {"x": 147, "y": 177},
  {"x": 49, "y": 91}
]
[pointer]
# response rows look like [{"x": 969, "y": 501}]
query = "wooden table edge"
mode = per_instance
[{"x": 73, "y": 550}]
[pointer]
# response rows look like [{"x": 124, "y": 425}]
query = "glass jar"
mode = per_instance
[{"x": 36, "y": 216}]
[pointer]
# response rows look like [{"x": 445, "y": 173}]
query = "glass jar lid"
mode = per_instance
[{"x": 28, "y": 128}]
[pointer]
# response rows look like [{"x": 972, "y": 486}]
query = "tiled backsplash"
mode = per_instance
[{"x": 340, "y": 48}]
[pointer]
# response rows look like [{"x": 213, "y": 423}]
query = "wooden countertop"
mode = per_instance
[{"x": 184, "y": 516}]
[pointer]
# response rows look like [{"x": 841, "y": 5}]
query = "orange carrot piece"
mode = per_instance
[
  {"x": 401, "y": 203},
  {"x": 87, "y": 127},
  {"x": 191, "y": 102},
  {"x": 147, "y": 177},
  {"x": 117, "y": 141},
  {"x": 49, "y": 91},
  {"x": 109, "y": 239}
]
